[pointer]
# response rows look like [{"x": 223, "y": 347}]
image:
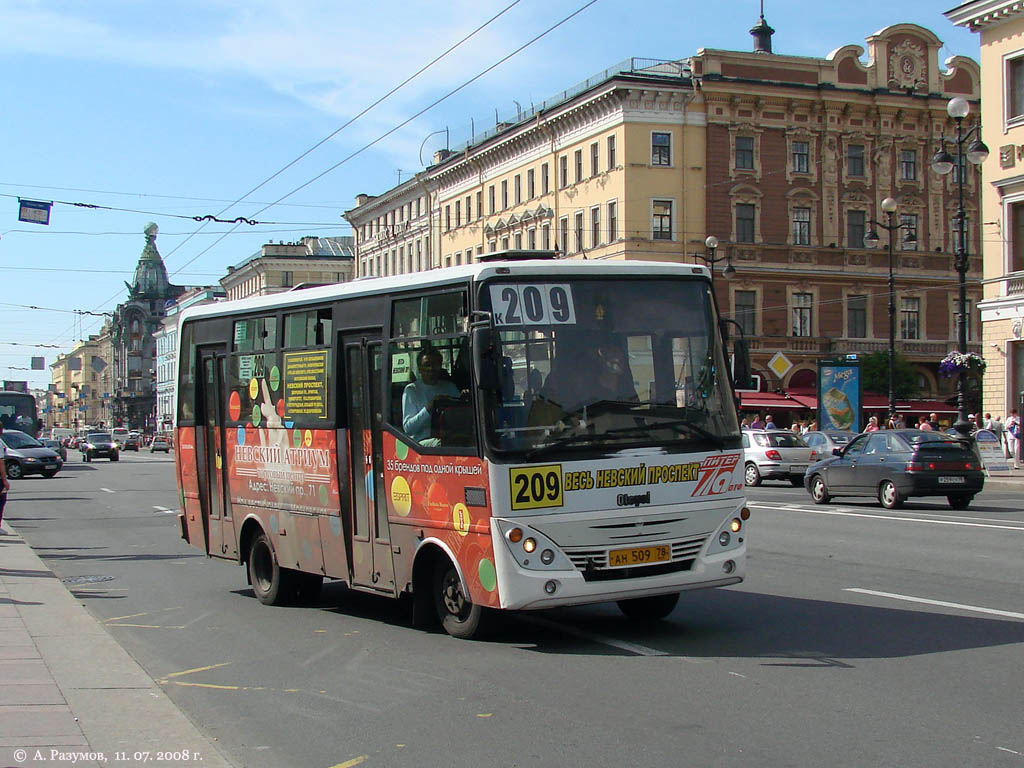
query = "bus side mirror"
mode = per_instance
[
  {"x": 741, "y": 364},
  {"x": 488, "y": 377}
]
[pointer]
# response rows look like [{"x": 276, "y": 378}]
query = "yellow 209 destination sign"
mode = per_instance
[{"x": 536, "y": 487}]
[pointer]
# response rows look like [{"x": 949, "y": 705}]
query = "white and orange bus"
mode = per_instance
[{"x": 519, "y": 433}]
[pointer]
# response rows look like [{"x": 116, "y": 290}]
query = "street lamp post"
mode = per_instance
[
  {"x": 871, "y": 241},
  {"x": 711, "y": 242},
  {"x": 942, "y": 163}
]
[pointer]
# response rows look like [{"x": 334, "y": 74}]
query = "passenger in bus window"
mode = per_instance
[{"x": 419, "y": 398}]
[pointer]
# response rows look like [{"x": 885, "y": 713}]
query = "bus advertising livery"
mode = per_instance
[{"x": 513, "y": 434}]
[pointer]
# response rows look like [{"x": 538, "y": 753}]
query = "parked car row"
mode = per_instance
[{"x": 892, "y": 465}]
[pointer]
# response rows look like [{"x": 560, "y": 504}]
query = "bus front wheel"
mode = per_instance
[
  {"x": 459, "y": 616},
  {"x": 649, "y": 608},
  {"x": 270, "y": 581}
]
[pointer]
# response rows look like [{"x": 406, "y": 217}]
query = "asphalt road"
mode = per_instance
[{"x": 861, "y": 638}]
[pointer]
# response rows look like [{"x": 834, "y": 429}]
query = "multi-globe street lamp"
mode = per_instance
[
  {"x": 942, "y": 163},
  {"x": 729, "y": 272},
  {"x": 871, "y": 240}
]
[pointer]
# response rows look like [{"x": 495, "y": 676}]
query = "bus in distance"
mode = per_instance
[
  {"x": 520, "y": 433},
  {"x": 18, "y": 410}
]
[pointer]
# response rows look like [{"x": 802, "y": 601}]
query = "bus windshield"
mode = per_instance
[{"x": 603, "y": 365}]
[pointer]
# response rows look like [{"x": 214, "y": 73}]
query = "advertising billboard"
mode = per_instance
[{"x": 839, "y": 395}]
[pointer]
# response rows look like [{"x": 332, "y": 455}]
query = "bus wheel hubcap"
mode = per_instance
[{"x": 454, "y": 602}]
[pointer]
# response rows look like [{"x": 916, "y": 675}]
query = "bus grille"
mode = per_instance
[{"x": 593, "y": 562}]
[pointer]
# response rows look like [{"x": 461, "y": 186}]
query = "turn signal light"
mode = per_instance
[
  {"x": 745, "y": 513},
  {"x": 515, "y": 535}
]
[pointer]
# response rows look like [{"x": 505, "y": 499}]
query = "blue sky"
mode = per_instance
[{"x": 173, "y": 110}]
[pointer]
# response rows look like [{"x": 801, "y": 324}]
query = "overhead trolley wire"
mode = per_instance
[
  {"x": 409, "y": 79},
  {"x": 405, "y": 122}
]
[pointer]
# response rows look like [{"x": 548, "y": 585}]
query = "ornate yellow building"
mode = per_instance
[{"x": 784, "y": 159}]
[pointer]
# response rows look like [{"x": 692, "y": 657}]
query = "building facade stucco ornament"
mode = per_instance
[{"x": 907, "y": 66}]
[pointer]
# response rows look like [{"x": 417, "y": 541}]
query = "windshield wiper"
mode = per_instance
[
  {"x": 686, "y": 425},
  {"x": 559, "y": 442}
]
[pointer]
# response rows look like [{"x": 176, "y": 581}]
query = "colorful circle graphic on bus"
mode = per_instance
[
  {"x": 307, "y": 437},
  {"x": 401, "y": 450},
  {"x": 257, "y": 415},
  {"x": 324, "y": 495},
  {"x": 401, "y": 496},
  {"x": 254, "y": 389},
  {"x": 297, "y": 438},
  {"x": 437, "y": 502},
  {"x": 280, "y": 408},
  {"x": 275, "y": 378},
  {"x": 234, "y": 406},
  {"x": 240, "y": 437},
  {"x": 460, "y": 516},
  {"x": 488, "y": 576}
]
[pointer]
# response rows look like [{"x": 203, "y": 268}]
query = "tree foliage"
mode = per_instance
[{"x": 874, "y": 369}]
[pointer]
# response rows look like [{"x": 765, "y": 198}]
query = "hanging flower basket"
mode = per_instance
[{"x": 956, "y": 362}]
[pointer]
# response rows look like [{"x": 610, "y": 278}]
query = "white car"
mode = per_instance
[{"x": 775, "y": 454}]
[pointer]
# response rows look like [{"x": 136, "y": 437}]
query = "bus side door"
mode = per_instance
[
  {"x": 210, "y": 454},
  {"x": 371, "y": 558}
]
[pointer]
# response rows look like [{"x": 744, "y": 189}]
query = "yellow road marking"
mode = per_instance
[
  {"x": 147, "y": 626},
  {"x": 129, "y": 616},
  {"x": 353, "y": 762},
  {"x": 196, "y": 669},
  {"x": 489, "y": 714},
  {"x": 210, "y": 685}
]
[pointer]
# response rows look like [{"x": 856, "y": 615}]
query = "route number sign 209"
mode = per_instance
[
  {"x": 530, "y": 304},
  {"x": 536, "y": 487}
]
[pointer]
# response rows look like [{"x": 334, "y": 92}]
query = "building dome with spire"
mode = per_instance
[{"x": 150, "y": 280}]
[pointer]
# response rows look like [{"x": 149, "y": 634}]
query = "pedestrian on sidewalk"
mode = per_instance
[
  {"x": 5, "y": 485},
  {"x": 1013, "y": 437}
]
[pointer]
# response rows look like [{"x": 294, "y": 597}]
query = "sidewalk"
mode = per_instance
[{"x": 67, "y": 689}]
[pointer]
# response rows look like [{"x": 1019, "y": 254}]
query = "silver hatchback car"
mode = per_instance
[{"x": 775, "y": 454}]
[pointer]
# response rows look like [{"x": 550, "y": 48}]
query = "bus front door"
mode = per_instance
[
  {"x": 370, "y": 551},
  {"x": 210, "y": 456}
]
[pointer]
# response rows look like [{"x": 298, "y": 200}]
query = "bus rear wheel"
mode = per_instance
[
  {"x": 459, "y": 616},
  {"x": 649, "y": 608},
  {"x": 272, "y": 584}
]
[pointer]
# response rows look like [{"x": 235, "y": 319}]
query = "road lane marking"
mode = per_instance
[
  {"x": 895, "y": 518},
  {"x": 622, "y": 645},
  {"x": 940, "y": 603},
  {"x": 107, "y": 490},
  {"x": 840, "y": 508},
  {"x": 194, "y": 670},
  {"x": 353, "y": 762}
]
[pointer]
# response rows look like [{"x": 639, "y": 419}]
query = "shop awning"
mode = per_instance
[
  {"x": 873, "y": 402},
  {"x": 773, "y": 401}
]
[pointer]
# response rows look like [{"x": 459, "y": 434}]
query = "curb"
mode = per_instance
[{"x": 67, "y": 685}]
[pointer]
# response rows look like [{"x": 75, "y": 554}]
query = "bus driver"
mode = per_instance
[{"x": 420, "y": 397}]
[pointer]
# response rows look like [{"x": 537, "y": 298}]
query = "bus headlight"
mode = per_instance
[
  {"x": 724, "y": 538},
  {"x": 735, "y": 525},
  {"x": 533, "y": 550}
]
